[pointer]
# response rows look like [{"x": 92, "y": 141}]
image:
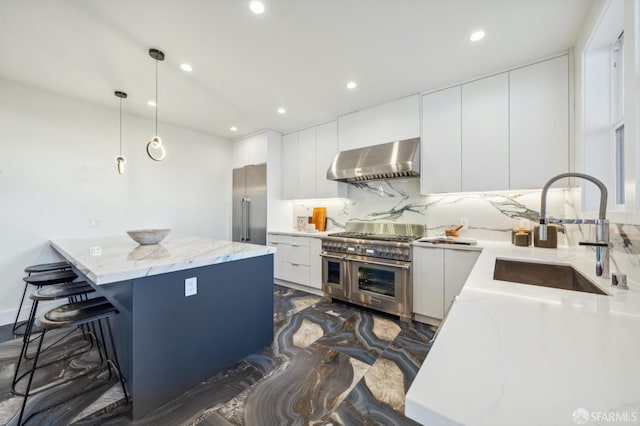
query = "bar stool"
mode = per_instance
[
  {"x": 39, "y": 269},
  {"x": 75, "y": 292},
  {"x": 92, "y": 311},
  {"x": 42, "y": 280}
]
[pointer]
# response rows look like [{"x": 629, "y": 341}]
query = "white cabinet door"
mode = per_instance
[
  {"x": 315, "y": 263},
  {"x": 326, "y": 150},
  {"x": 257, "y": 149},
  {"x": 539, "y": 122},
  {"x": 240, "y": 153},
  {"x": 276, "y": 242},
  {"x": 485, "y": 134},
  {"x": 290, "y": 166},
  {"x": 457, "y": 266},
  {"x": 441, "y": 162},
  {"x": 250, "y": 151},
  {"x": 428, "y": 281},
  {"x": 388, "y": 122},
  {"x": 297, "y": 255},
  {"x": 295, "y": 273},
  {"x": 307, "y": 163}
]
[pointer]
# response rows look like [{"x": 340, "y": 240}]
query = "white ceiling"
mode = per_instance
[{"x": 299, "y": 54}]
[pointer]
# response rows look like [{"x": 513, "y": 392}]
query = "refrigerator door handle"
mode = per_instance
[
  {"x": 243, "y": 215},
  {"x": 247, "y": 234}
]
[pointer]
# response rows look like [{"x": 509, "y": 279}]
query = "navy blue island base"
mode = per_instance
[{"x": 168, "y": 342}]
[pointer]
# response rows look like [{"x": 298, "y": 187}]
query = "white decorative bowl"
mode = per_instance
[{"x": 148, "y": 236}]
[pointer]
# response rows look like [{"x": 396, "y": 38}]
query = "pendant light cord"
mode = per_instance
[
  {"x": 120, "y": 126},
  {"x": 156, "y": 97}
]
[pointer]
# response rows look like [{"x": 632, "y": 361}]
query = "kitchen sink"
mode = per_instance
[{"x": 543, "y": 274}]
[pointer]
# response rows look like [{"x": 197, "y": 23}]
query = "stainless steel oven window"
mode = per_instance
[
  {"x": 376, "y": 280},
  {"x": 334, "y": 272}
]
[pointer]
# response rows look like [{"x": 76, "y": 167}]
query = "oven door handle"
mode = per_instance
[
  {"x": 373, "y": 262},
  {"x": 333, "y": 257}
]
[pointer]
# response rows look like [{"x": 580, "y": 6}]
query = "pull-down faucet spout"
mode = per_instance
[{"x": 602, "y": 225}]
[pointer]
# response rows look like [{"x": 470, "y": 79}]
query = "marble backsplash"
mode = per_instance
[{"x": 491, "y": 215}]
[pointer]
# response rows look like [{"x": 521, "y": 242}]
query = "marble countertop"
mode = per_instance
[
  {"x": 296, "y": 233},
  {"x": 117, "y": 258},
  {"x": 448, "y": 246},
  {"x": 511, "y": 353}
]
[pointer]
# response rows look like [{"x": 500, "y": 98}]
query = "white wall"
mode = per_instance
[{"x": 57, "y": 172}]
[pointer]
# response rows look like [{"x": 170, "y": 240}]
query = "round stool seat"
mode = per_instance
[
  {"x": 48, "y": 278},
  {"x": 76, "y": 313},
  {"x": 60, "y": 291},
  {"x": 46, "y": 267}
]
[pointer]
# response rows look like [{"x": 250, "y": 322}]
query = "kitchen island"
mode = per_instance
[
  {"x": 517, "y": 354},
  {"x": 189, "y": 307}
]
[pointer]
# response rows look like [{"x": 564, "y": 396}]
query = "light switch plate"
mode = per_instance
[{"x": 190, "y": 286}]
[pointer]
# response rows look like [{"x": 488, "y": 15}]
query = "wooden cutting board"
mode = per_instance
[{"x": 319, "y": 218}]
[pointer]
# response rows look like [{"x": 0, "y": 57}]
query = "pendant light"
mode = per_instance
[
  {"x": 155, "y": 150},
  {"x": 120, "y": 160}
]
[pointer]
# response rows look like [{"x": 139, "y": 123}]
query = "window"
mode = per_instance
[{"x": 617, "y": 117}]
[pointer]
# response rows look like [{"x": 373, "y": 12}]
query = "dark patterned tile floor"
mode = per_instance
[{"x": 329, "y": 364}]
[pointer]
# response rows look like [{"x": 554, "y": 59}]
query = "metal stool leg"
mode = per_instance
[
  {"x": 117, "y": 362},
  {"x": 15, "y": 323},
  {"x": 33, "y": 370}
]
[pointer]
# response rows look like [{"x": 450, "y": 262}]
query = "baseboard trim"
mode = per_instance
[{"x": 300, "y": 287}]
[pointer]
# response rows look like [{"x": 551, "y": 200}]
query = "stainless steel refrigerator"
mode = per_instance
[{"x": 250, "y": 204}]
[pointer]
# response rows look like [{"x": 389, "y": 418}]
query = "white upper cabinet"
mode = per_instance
[
  {"x": 306, "y": 163},
  {"x": 508, "y": 131},
  {"x": 252, "y": 150},
  {"x": 539, "y": 118},
  {"x": 485, "y": 134},
  {"x": 290, "y": 166},
  {"x": 441, "y": 151},
  {"x": 306, "y": 156},
  {"x": 326, "y": 150},
  {"x": 383, "y": 123}
]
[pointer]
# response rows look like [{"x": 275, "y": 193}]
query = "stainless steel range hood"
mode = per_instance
[{"x": 386, "y": 161}]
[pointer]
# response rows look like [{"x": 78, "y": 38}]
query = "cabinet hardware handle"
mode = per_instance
[{"x": 295, "y": 264}]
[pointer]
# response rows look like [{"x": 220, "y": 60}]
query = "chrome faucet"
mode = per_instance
[{"x": 602, "y": 243}]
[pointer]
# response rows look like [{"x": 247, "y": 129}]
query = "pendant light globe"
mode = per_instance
[{"x": 155, "y": 150}]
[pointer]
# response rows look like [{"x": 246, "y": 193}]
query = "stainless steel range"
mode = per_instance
[{"x": 370, "y": 264}]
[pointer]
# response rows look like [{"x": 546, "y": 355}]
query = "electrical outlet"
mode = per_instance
[
  {"x": 94, "y": 223},
  {"x": 95, "y": 251},
  {"x": 464, "y": 222},
  {"x": 190, "y": 286}
]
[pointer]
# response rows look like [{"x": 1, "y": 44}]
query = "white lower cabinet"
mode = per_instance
[
  {"x": 428, "y": 282},
  {"x": 438, "y": 276},
  {"x": 297, "y": 260},
  {"x": 457, "y": 267}
]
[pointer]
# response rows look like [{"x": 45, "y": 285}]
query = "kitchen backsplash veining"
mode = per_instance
[{"x": 491, "y": 215}]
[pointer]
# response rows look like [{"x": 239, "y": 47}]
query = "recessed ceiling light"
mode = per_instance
[
  {"x": 351, "y": 85},
  {"x": 256, "y": 7},
  {"x": 282, "y": 110},
  {"x": 477, "y": 35},
  {"x": 233, "y": 128},
  {"x": 186, "y": 67},
  {"x": 151, "y": 103}
]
